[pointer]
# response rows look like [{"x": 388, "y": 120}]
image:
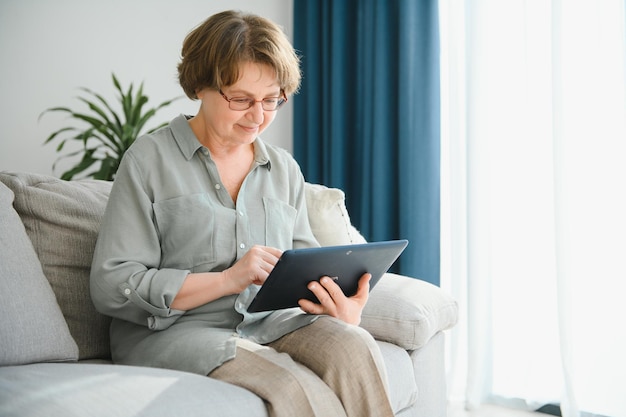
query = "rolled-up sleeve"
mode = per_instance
[{"x": 126, "y": 279}]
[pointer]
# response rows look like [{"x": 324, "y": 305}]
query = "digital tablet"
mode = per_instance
[{"x": 287, "y": 283}]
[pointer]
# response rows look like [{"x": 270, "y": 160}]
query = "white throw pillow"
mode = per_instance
[{"x": 328, "y": 216}]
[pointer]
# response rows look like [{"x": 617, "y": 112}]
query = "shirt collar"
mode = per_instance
[
  {"x": 184, "y": 136},
  {"x": 261, "y": 157},
  {"x": 189, "y": 144}
]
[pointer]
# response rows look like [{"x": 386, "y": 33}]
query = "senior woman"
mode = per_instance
[{"x": 199, "y": 213}]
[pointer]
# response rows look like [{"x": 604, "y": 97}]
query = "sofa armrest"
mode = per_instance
[{"x": 408, "y": 312}]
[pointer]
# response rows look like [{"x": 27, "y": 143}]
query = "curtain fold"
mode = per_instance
[{"x": 366, "y": 119}]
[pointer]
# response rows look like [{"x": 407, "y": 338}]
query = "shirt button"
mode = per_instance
[
  {"x": 127, "y": 291},
  {"x": 240, "y": 213},
  {"x": 205, "y": 151},
  {"x": 217, "y": 186},
  {"x": 242, "y": 245}
]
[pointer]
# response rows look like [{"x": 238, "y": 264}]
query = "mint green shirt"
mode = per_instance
[{"x": 168, "y": 215}]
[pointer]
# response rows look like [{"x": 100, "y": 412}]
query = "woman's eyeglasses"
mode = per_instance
[{"x": 244, "y": 103}]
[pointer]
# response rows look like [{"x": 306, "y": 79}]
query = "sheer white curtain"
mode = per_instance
[{"x": 534, "y": 201}]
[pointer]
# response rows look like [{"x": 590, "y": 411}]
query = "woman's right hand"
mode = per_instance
[
  {"x": 253, "y": 268},
  {"x": 204, "y": 287}
]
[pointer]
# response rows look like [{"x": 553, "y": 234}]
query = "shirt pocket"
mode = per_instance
[
  {"x": 185, "y": 226},
  {"x": 280, "y": 220}
]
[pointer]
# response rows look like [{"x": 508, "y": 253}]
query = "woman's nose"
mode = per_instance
[{"x": 256, "y": 112}]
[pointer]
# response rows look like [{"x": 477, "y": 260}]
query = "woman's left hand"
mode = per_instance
[{"x": 334, "y": 302}]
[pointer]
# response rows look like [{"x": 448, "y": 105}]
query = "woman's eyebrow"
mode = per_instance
[{"x": 241, "y": 92}]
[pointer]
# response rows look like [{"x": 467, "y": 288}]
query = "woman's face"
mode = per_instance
[{"x": 226, "y": 127}]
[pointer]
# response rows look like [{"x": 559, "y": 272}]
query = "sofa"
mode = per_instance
[{"x": 54, "y": 348}]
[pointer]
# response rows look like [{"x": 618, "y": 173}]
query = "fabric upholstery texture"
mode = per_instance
[
  {"x": 32, "y": 328},
  {"x": 429, "y": 371},
  {"x": 400, "y": 374},
  {"x": 62, "y": 220},
  {"x": 80, "y": 390}
]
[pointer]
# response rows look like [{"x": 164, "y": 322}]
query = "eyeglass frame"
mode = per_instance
[{"x": 252, "y": 101}]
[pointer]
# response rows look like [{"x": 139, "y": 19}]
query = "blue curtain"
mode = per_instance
[{"x": 367, "y": 117}]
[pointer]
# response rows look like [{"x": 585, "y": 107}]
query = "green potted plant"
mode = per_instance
[{"x": 105, "y": 134}]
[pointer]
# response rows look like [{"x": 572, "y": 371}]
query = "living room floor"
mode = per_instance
[{"x": 456, "y": 410}]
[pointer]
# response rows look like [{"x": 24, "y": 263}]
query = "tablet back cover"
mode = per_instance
[{"x": 287, "y": 283}]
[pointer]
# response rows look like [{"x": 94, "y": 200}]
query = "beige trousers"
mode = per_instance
[{"x": 328, "y": 368}]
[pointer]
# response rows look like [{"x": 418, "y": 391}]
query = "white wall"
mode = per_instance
[{"x": 51, "y": 48}]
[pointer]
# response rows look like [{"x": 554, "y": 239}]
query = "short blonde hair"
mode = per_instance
[{"x": 213, "y": 52}]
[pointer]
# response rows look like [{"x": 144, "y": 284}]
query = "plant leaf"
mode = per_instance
[
  {"x": 150, "y": 113},
  {"x": 118, "y": 121},
  {"x": 85, "y": 163},
  {"x": 95, "y": 108},
  {"x": 54, "y": 109},
  {"x": 108, "y": 167},
  {"x": 117, "y": 84},
  {"x": 107, "y": 134},
  {"x": 135, "y": 117},
  {"x": 100, "y": 126},
  {"x": 58, "y": 132},
  {"x": 127, "y": 103}
]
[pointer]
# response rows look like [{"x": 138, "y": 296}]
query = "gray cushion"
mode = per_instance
[
  {"x": 80, "y": 390},
  {"x": 408, "y": 312},
  {"x": 32, "y": 328},
  {"x": 402, "y": 386},
  {"x": 62, "y": 220}
]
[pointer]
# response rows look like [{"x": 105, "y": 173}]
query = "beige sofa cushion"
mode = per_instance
[
  {"x": 408, "y": 312},
  {"x": 32, "y": 328},
  {"x": 62, "y": 220}
]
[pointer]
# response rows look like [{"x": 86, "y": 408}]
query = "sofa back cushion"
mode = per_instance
[
  {"x": 62, "y": 220},
  {"x": 32, "y": 328}
]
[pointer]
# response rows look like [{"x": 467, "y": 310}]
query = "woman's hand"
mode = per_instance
[
  {"x": 204, "y": 287},
  {"x": 253, "y": 268},
  {"x": 333, "y": 301}
]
